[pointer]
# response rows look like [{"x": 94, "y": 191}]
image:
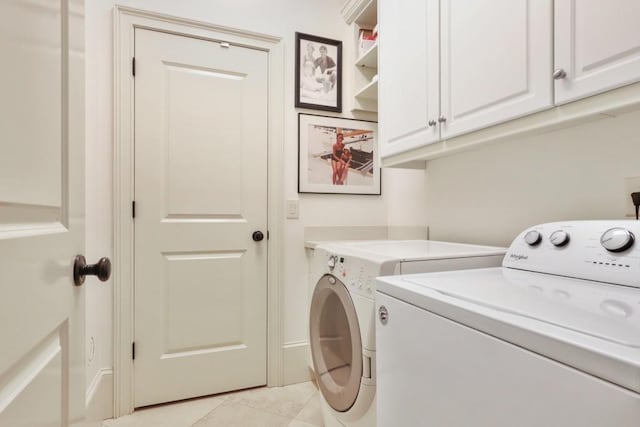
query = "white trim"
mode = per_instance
[
  {"x": 125, "y": 21},
  {"x": 296, "y": 362},
  {"x": 99, "y": 397}
]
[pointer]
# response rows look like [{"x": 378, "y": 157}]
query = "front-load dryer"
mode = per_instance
[{"x": 342, "y": 314}]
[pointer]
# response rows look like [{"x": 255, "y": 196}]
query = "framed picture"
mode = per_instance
[
  {"x": 318, "y": 73},
  {"x": 337, "y": 156}
]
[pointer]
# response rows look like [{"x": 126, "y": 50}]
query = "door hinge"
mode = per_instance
[
  {"x": 133, "y": 350},
  {"x": 133, "y": 209},
  {"x": 133, "y": 66}
]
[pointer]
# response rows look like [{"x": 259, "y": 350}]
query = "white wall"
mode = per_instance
[
  {"x": 489, "y": 195},
  {"x": 276, "y": 17}
]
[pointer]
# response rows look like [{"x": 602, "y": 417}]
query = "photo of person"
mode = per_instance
[
  {"x": 336, "y": 157},
  {"x": 318, "y": 73},
  {"x": 352, "y": 150},
  {"x": 340, "y": 156}
]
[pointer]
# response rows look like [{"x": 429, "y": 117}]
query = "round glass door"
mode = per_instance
[{"x": 336, "y": 346}]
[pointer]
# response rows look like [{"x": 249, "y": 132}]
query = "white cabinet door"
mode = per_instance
[
  {"x": 409, "y": 87},
  {"x": 496, "y": 62},
  {"x": 42, "y": 224},
  {"x": 597, "y": 45}
]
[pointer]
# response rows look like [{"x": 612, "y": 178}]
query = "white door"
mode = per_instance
[
  {"x": 597, "y": 46},
  {"x": 41, "y": 212},
  {"x": 409, "y": 85},
  {"x": 201, "y": 193},
  {"x": 496, "y": 62}
]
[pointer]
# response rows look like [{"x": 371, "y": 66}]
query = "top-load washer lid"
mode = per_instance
[
  {"x": 414, "y": 250},
  {"x": 592, "y": 326}
]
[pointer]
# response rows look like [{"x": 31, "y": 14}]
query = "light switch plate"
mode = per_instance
[
  {"x": 292, "y": 209},
  {"x": 631, "y": 185}
]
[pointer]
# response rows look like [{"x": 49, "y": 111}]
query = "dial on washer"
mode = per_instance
[
  {"x": 533, "y": 238},
  {"x": 331, "y": 262},
  {"x": 617, "y": 239},
  {"x": 559, "y": 238}
]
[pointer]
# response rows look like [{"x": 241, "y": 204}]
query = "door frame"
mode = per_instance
[{"x": 126, "y": 20}]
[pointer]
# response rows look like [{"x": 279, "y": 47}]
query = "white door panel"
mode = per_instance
[
  {"x": 41, "y": 212},
  {"x": 496, "y": 62},
  {"x": 409, "y": 86},
  {"x": 597, "y": 45},
  {"x": 201, "y": 190}
]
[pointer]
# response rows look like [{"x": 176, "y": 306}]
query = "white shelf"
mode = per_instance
[
  {"x": 369, "y": 59},
  {"x": 370, "y": 91},
  {"x": 363, "y": 14},
  {"x": 361, "y": 105}
]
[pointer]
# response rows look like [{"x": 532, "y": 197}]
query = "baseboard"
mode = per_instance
[
  {"x": 295, "y": 363},
  {"x": 99, "y": 397}
]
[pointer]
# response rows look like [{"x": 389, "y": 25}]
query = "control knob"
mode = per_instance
[
  {"x": 331, "y": 263},
  {"x": 617, "y": 239},
  {"x": 533, "y": 238},
  {"x": 559, "y": 238}
]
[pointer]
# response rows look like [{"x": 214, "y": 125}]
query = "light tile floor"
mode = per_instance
[{"x": 296, "y": 405}]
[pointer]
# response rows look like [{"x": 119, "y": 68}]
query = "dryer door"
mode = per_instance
[{"x": 336, "y": 346}]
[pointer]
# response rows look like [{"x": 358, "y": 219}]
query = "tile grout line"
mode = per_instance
[
  {"x": 266, "y": 411},
  {"x": 317, "y": 390}
]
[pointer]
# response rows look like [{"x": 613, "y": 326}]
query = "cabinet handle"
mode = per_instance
[
  {"x": 432, "y": 122},
  {"x": 559, "y": 74},
  {"x": 442, "y": 119}
]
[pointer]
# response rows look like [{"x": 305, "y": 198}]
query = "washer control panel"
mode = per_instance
[
  {"x": 604, "y": 251},
  {"x": 357, "y": 274}
]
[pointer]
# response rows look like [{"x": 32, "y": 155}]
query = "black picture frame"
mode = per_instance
[
  {"x": 318, "y": 82},
  {"x": 316, "y": 136}
]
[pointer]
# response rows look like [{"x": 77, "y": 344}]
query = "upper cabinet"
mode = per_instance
[
  {"x": 450, "y": 67},
  {"x": 496, "y": 62},
  {"x": 454, "y": 72},
  {"x": 409, "y": 88},
  {"x": 597, "y": 46}
]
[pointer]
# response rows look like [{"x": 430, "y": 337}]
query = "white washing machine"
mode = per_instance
[
  {"x": 342, "y": 314},
  {"x": 552, "y": 338}
]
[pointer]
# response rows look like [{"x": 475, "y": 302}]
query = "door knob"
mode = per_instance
[
  {"x": 101, "y": 269},
  {"x": 432, "y": 122},
  {"x": 442, "y": 119},
  {"x": 257, "y": 236}
]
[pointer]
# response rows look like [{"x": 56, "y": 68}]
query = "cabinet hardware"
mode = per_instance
[{"x": 559, "y": 74}]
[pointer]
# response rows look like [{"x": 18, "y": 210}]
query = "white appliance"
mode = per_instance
[
  {"x": 552, "y": 338},
  {"x": 342, "y": 314}
]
